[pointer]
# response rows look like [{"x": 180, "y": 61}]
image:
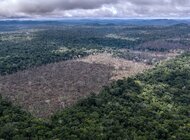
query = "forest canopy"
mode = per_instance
[{"x": 153, "y": 105}]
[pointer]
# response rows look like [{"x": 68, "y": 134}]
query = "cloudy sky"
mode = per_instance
[{"x": 94, "y": 8}]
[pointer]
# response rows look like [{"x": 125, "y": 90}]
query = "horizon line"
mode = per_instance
[{"x": 96, "y": 18}]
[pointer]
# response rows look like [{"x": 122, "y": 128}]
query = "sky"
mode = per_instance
[{"x": 94, "y": 9}]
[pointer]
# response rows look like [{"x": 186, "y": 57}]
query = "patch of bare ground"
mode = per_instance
[
  {"x": 45, "y": 90},
  {"x": 148, "y": 57},
  {"x": 122, "y": 67}
]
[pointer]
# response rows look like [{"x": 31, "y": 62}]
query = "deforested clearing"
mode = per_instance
[
  {"x": 47, "y": 89},
  {"x": 121, "y": 67}
]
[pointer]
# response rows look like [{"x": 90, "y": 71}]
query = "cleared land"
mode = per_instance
[
  {"x": 121, "y": 67},
  {"x": 149, "y": 58},
  {"x": 47, "y": 89}
]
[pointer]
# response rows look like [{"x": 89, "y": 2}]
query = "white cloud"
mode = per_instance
[{"x": 94, "y": 8}]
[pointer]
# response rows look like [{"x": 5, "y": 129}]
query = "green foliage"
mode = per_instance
[
  {"x": 17, "y": 124},
  {"x": 153, "y": 105},
  {"x": 36, "y": 46}
]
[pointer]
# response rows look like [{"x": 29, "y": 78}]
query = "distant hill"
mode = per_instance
[
  {"x": 140, "y": 22},
  {"x": 13, "y": 25}
]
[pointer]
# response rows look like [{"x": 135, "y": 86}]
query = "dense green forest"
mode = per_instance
[
  {"x": 153, "y": 105},
  {"x": 26, "y": 48}
]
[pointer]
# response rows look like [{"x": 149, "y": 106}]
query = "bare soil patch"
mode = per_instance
[
  {"x": 122, "y": 67},
  {"x": 45, "y": 90}
]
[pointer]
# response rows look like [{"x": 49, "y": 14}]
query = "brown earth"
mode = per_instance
[
  {"x": 122, "y": 67},
  {"x": 45, "y": 90}
]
